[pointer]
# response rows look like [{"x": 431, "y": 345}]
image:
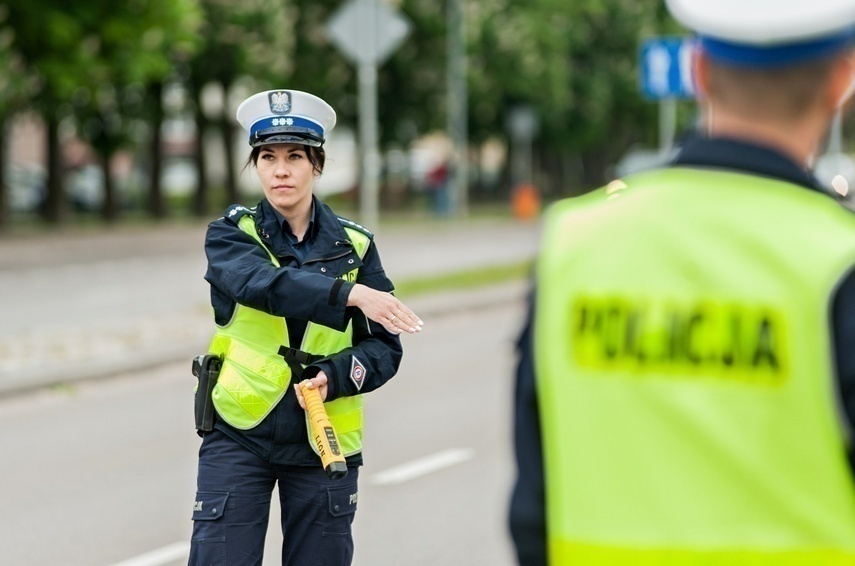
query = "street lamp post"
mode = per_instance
[{"x": 457, "y": 108}]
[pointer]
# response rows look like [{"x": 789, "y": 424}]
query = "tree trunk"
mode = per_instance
[
  {"x": 228, "y": 141},
  {"x": 55, "y": 207},
  {"x": 110, "y": 209},
  {"x": 200, "y": 202},
  {"x": 5, "y": 211},
  {"x": 156, "y": 204}
]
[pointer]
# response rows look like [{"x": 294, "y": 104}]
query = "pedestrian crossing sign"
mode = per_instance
[{"x": 665, "y": 68}]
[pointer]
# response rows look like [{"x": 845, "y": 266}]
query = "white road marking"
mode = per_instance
[
  {"x": 423, "y": 466},
  {"x": 164, "y": 555}
]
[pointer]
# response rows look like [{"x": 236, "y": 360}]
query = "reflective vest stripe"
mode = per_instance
[
  {"x": 584, "y": 554},
  {"x": 249, "y": 386}
]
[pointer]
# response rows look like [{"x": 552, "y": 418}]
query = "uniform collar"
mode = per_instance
[
  {"x": 285, "y": 227},
  {"x": 728, "y": 153},
  {"x": 327, "y": 230}
]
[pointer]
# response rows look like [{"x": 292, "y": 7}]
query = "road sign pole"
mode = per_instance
[
  {"x": 667, "y": 124},
  {"x": 368, "y": 190}
]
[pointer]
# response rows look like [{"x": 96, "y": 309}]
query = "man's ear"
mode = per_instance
[
  {"x": 701, "y": 73},
  {"x": 841, "y": 85}
]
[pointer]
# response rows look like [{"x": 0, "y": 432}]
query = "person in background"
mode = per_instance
[
  {"x": 686, "y": 378},
  {"x": 436, "y": 185},
  {"x": 299, "y": 295}
]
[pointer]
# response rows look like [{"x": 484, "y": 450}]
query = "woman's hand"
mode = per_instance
[
  {"x": 318, "y": 382},
  {"x": 384, "y": 308}
]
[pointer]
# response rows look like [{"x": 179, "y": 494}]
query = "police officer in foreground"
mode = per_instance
[
  {"x": 691, "y": 341},
  {"x": 299, "y": 294}
]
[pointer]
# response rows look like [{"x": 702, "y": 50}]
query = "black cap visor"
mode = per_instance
[{"x": 286, "y": 134}]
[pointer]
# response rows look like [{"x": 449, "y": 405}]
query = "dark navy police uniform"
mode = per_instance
[{"x": 239, "y": 468}]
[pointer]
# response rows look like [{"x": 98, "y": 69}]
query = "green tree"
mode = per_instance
[
  {"x": 59, "y": 52},
  {"x": 412, "y": 84},
  {"x": 317, "y": 66},
  {"x": 575, "y": 64},
  {"x": 90, "y": 59},
  {"x": 16, "y": 85},
  {"x": 141, "y": 42},
  {"x": 251, "y": 38}
]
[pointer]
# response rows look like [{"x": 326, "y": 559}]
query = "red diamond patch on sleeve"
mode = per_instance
[{"x": 357, "y": 372}]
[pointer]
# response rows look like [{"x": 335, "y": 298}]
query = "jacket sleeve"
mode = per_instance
[
  {"x": 375, "y": 350},
  {"x": 843, "y": 328},
  {"x": 241, "y": 270},
  {"x": 527, "y": 509}
]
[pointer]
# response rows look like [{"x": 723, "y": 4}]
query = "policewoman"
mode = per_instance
[
  {"x": 299, "y": 294},
  {"x": 691, "y": 338}
]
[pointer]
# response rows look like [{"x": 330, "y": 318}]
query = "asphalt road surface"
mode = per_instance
[{"x": 103, "y": 472}]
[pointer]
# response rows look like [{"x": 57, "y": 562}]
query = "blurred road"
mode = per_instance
[
  {"x": 103, "y": 472},
  {"x": 90, "y": 305}
]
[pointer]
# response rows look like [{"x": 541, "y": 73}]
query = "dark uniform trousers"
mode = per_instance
[{"x": 233, "y": 504}]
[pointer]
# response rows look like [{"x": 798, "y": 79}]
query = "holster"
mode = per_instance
[{"x": 206, "y": 368}]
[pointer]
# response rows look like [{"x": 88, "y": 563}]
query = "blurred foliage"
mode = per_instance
[
  {"x": 251, "y": 38},
  {"x": 96, "y": 64},
  {"x": 90, "y": 62},
  {"x": 575, "y": 63}
]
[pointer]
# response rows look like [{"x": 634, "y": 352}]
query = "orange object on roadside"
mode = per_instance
[{"x": 525, "y": 201}]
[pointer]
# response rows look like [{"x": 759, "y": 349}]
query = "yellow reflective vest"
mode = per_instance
[
  {"x": 254, "y": 377},
  {"x": 684, "y": 374}
]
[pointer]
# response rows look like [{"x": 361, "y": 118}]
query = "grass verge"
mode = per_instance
[{"x": 464, "y": 279}]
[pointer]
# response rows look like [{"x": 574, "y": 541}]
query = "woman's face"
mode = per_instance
[{"x": 286, "y": 177}]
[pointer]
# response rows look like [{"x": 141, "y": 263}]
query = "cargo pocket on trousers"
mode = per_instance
[
  {"x": 337, "y": 547},
  {"x": 208, "y": 545}
]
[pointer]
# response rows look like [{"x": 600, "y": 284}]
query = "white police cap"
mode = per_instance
[
  {"x": 286, "y": 116},
  {"x": 768, "y": 32}
]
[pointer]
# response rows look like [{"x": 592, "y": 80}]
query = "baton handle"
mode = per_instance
[{"x": 323, "y": 434}]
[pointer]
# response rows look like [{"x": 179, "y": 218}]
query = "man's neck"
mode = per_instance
[{"x": 799, "y": 140}]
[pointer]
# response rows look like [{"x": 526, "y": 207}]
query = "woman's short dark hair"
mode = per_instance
[{"x": 317, "y": 157}]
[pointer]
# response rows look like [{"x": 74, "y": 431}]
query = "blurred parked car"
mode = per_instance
[
  {"x": 179, "y": 176},
  {"x": 85, "y": 188},
  {"x": 26, "y": 186}
]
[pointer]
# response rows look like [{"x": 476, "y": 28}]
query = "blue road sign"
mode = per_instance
[{"x": 665, "y": 68}]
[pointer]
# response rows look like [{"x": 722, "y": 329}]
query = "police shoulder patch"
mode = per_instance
[
  {"x": 353, "y": 225},
  {"x": 357, "y": 372},
  {"x": 237, "y": 211}
]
